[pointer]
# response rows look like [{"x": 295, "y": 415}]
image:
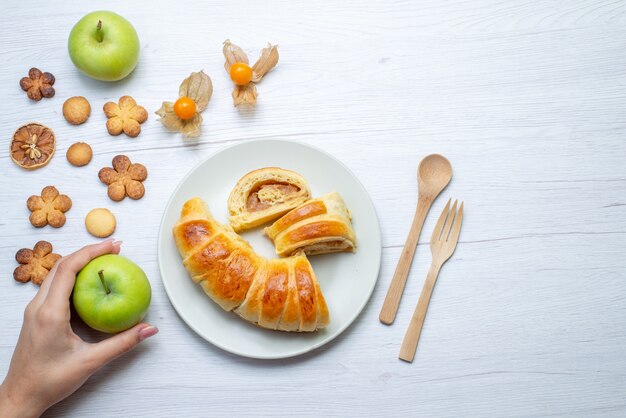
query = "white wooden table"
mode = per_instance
[{"x": 526, "y": 99}]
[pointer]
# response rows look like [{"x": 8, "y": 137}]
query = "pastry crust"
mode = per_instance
[
  {"x": 318, "y": 226},
  {"x": 280, "y": 294},
  {"x": 264, "y": 195}
]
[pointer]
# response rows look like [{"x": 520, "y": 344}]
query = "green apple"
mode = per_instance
[
  {"x": 111, "y": 293},
  {"x": 104, "y": 46}
]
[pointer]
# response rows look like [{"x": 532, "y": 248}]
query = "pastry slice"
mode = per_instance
[
  {"x": 318, "y": 226},
  {"x": 277, "y": 293},
  {"x": 264, "y": 195}
]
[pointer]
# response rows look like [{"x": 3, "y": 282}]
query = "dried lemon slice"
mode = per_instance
[{"x": 32, "y": 146}]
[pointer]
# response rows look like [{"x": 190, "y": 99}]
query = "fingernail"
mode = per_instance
[
  {"x": 147, "y": 332},
  {"x": 118, "y": 243}
]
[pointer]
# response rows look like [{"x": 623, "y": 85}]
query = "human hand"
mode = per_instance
[{"x": 50, "y": 361}]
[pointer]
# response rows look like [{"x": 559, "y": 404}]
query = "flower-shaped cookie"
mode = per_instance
[
  {"x": 124, "y": 179},
  {"x": 38, "y": 84},
  {"x": 49, "y": 208},
  {"x": 36, "y": 263},
  {"x": 127, "y": 117}
]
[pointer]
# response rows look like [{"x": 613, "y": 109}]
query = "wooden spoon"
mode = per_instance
[{"x": 433, "y": 175}]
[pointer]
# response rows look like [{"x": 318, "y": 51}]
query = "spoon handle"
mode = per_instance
[{"x": 394, "y": 294}]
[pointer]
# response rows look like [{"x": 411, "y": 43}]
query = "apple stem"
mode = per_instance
[
  {"x": 99, "y": 35},
  {"x": 101, "y": 274}
]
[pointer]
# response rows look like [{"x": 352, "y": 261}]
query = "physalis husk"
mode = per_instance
[
  {"x": 197, "y": 87},
  {"x": 246, "y": 94}
]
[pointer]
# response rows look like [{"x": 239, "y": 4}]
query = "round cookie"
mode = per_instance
[
  {"x": 100, "y": 222},
  {"x": 79, "y": 154},
  {"x": 76, "y": 110}
]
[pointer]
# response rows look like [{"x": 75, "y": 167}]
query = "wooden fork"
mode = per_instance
[{"x": 442, "y": 245}]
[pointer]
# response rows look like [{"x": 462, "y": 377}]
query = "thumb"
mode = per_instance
[{"x": 113, "y": 347}]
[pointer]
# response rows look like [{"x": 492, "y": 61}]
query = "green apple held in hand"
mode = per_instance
[
  {"x": 111, "y": 293},
  {"x": 104, "y": 46}
]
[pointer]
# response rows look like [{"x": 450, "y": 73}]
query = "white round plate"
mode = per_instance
[{"x": 347, "y": 280}]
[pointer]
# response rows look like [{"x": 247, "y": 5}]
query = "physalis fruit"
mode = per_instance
[
  {"x": 184, "y": 115},
  {"x": 185, "y": 108},
  {"x": 240, "y": 73},
  {"x": 244, "y": 76}
]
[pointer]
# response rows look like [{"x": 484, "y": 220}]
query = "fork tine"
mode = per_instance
[
  {"x": 449, "y": 222},
  {"x": 440, "y": 223},
  {"x": 456, "y": 230}
]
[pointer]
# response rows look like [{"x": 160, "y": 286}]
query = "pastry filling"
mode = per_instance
[
  {"x": 267, "y": 195},
  {"x": 328, "y": 247},
  {"x": 334, "y": 243}
]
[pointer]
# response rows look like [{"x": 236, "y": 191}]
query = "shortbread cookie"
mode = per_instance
[
  {"x": 100, "y": 222},
  {"x": 76, "y": 110},
  {"x": 79, "y": 154}
]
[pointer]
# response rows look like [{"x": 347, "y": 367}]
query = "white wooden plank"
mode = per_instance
[{"x": 525, "y": 98}]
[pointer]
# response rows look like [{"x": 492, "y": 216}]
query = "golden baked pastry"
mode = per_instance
[
  {"x": 264, "y": 195},
  {"x": 76, "y": 110},
  {"x": 79, "y": 154},
  {"x": 281, "y": 294},
  {"x": 318, "y": 226}
]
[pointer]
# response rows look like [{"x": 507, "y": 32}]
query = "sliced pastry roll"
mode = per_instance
[
  {"x": 318, "y": 226},
  {"x": 264, "y": 195},
  {"x": 278, "y": 293}
]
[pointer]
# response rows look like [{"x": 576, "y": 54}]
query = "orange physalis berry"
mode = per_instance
[
  {"x": 240, "y": 73},
  {"x": 185, "y": 108}
]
